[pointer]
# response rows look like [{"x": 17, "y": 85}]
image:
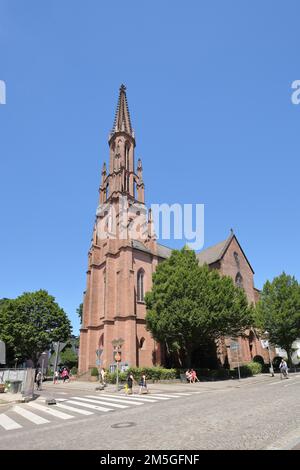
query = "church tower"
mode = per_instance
[{"x": 121, "y": 259}]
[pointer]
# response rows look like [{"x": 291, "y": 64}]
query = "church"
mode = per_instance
[{"x": 121, "y": 262}]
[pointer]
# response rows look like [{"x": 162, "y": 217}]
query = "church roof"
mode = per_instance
[
  {"x": 122, "y": 122},
  {"x": 163, "y": 251},
  {"x": 140, "y": 246},
  {"x": 216, "y": 252},
  {"x": 213, "y": 253},
  {"x": 209, "y": 256}
]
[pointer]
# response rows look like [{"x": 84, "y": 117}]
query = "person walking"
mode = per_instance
[
  {"x": 143, "y": 384},
  {"x": 38, "y": 380},
  {"x": 56, "y": 377},
  {"x": 283, "y": 367},
  {"x": 130, "y": 382},
  {"x": 102, "y": 375}
]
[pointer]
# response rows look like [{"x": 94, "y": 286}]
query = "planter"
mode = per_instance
[{"x": 2, "y": 388}]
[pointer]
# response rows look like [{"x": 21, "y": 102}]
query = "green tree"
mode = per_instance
[
  {"x": 191, "y": 305},
  {"x": 69, "y": 358},
  {"x": 278, "y": 311},
  {"x": 79, "y": 311},
  {"x": 30, "y": 323}
]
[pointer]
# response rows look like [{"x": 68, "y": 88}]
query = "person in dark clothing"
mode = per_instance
[
  {"x": 130, "y": 382},
  {"x": 143, "y": 384}
]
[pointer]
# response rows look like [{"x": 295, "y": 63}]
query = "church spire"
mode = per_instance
[{"x": 122, "y": 122}]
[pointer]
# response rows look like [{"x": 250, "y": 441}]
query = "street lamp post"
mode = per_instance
[
  {"x": 16, "y": 362},
  {"x": 117, "y": 345},
  {"x": 43, "y": 359}
]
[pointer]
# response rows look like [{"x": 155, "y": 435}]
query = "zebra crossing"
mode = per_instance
[{"x": 37, "y": 413}]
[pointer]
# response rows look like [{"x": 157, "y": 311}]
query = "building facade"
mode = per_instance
[{"x": 123, "y": 255}]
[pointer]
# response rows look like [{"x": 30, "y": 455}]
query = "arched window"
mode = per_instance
[
  {"x": 142, "y": 344},
  {"x": 140, "y": 285},
  {"x": 101, "y": 341},
  {"x": 237, "y": 260},
  {"x": 107, "y": 191},
  {"x": 127, "y": 156},
  {"x": 239, "y": 280}
]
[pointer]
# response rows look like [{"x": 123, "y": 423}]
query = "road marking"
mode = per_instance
[
  {"x": 8, "y": 423},
  {"x": 30, "y": 416},
  {"x": 132, "y": 397},
  {"x": 87, "y": 405},
  {"x": 51, "y": 411},
  {"x": 161, "y": 397},
  {"x": 72, "y": 408},
  {"x": 99, "y": 402},
  {"x": 138, "y": 398},
  {"x": 120, "y": 400},
  {"x": 185, "y": 394}
]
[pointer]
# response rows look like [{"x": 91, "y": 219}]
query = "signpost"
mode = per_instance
[{"x": 117, "y": 345}]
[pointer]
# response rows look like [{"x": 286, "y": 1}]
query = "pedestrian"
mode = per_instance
[
  {"x": 102, "y": 375},
  {"x": 188, "y": 376},
  {"x": 283, "y": 367},
  {"x": 143, "y": 384},
  {"x": 194, "y": 376},
  {"x": 38, "y": 380},
  {"x": 56, "y": 377},
  {"x": 130, "y": 382},
  {"x": 65, "y": 375}
]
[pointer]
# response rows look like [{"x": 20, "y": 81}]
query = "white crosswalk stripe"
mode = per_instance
[
  {"x": 86, "y": 405},
  {"x": 89, "y": 405},
  {"x": 50, "y": 411},
  {"x": 120, "y": 400},
  {"x": 100, "y": 402},
  {"x": 164, "y": 396},
  {"x": 72, "y": 408},
  {"x": 34, "y": 418},
  {"x": 7, "y": 423},
  {"x": 135, "y": 398}
]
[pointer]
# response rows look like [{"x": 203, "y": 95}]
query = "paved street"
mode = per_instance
[{"x": 254, "y": 413}]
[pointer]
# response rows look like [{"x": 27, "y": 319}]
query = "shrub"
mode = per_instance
[
  {"x": 94, "y": 372},
  {"x": 247, "y": 370},
  {"x": 219, "y": 374},
  {"x": 74, "y": 370},
  {"x": 152, "y": 373},
  {"x": 111, "y": 377}
]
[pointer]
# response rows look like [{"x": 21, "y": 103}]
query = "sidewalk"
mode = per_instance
[
  {"x": 7, "y": 398},
  {"x": 171, "y": 387}
]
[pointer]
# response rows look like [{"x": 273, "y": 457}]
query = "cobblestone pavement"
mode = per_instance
[{"x": 258, "y": 413}]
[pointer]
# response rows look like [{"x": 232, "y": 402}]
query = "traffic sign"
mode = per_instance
[{"x": 117, "y": 356}]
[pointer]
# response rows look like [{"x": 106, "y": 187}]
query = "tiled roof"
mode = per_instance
[{"x": 213, "y": 253}]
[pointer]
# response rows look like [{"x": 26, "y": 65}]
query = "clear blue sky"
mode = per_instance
[{"x": 209, "y": 91}]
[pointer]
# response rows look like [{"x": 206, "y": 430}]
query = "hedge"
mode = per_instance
[{"x": 152, "y": 373}]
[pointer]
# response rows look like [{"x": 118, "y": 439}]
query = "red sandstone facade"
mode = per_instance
[{"x": 120, "y": 268}]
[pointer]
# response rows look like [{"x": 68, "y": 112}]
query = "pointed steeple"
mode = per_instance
[{"x": 122, "y": 122}]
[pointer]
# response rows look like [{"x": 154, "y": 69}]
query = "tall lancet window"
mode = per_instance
[
  {"x": 239, "y": 280},
  {"x": 127, "y": 156},
  {"x": 140, "y": 285}
]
